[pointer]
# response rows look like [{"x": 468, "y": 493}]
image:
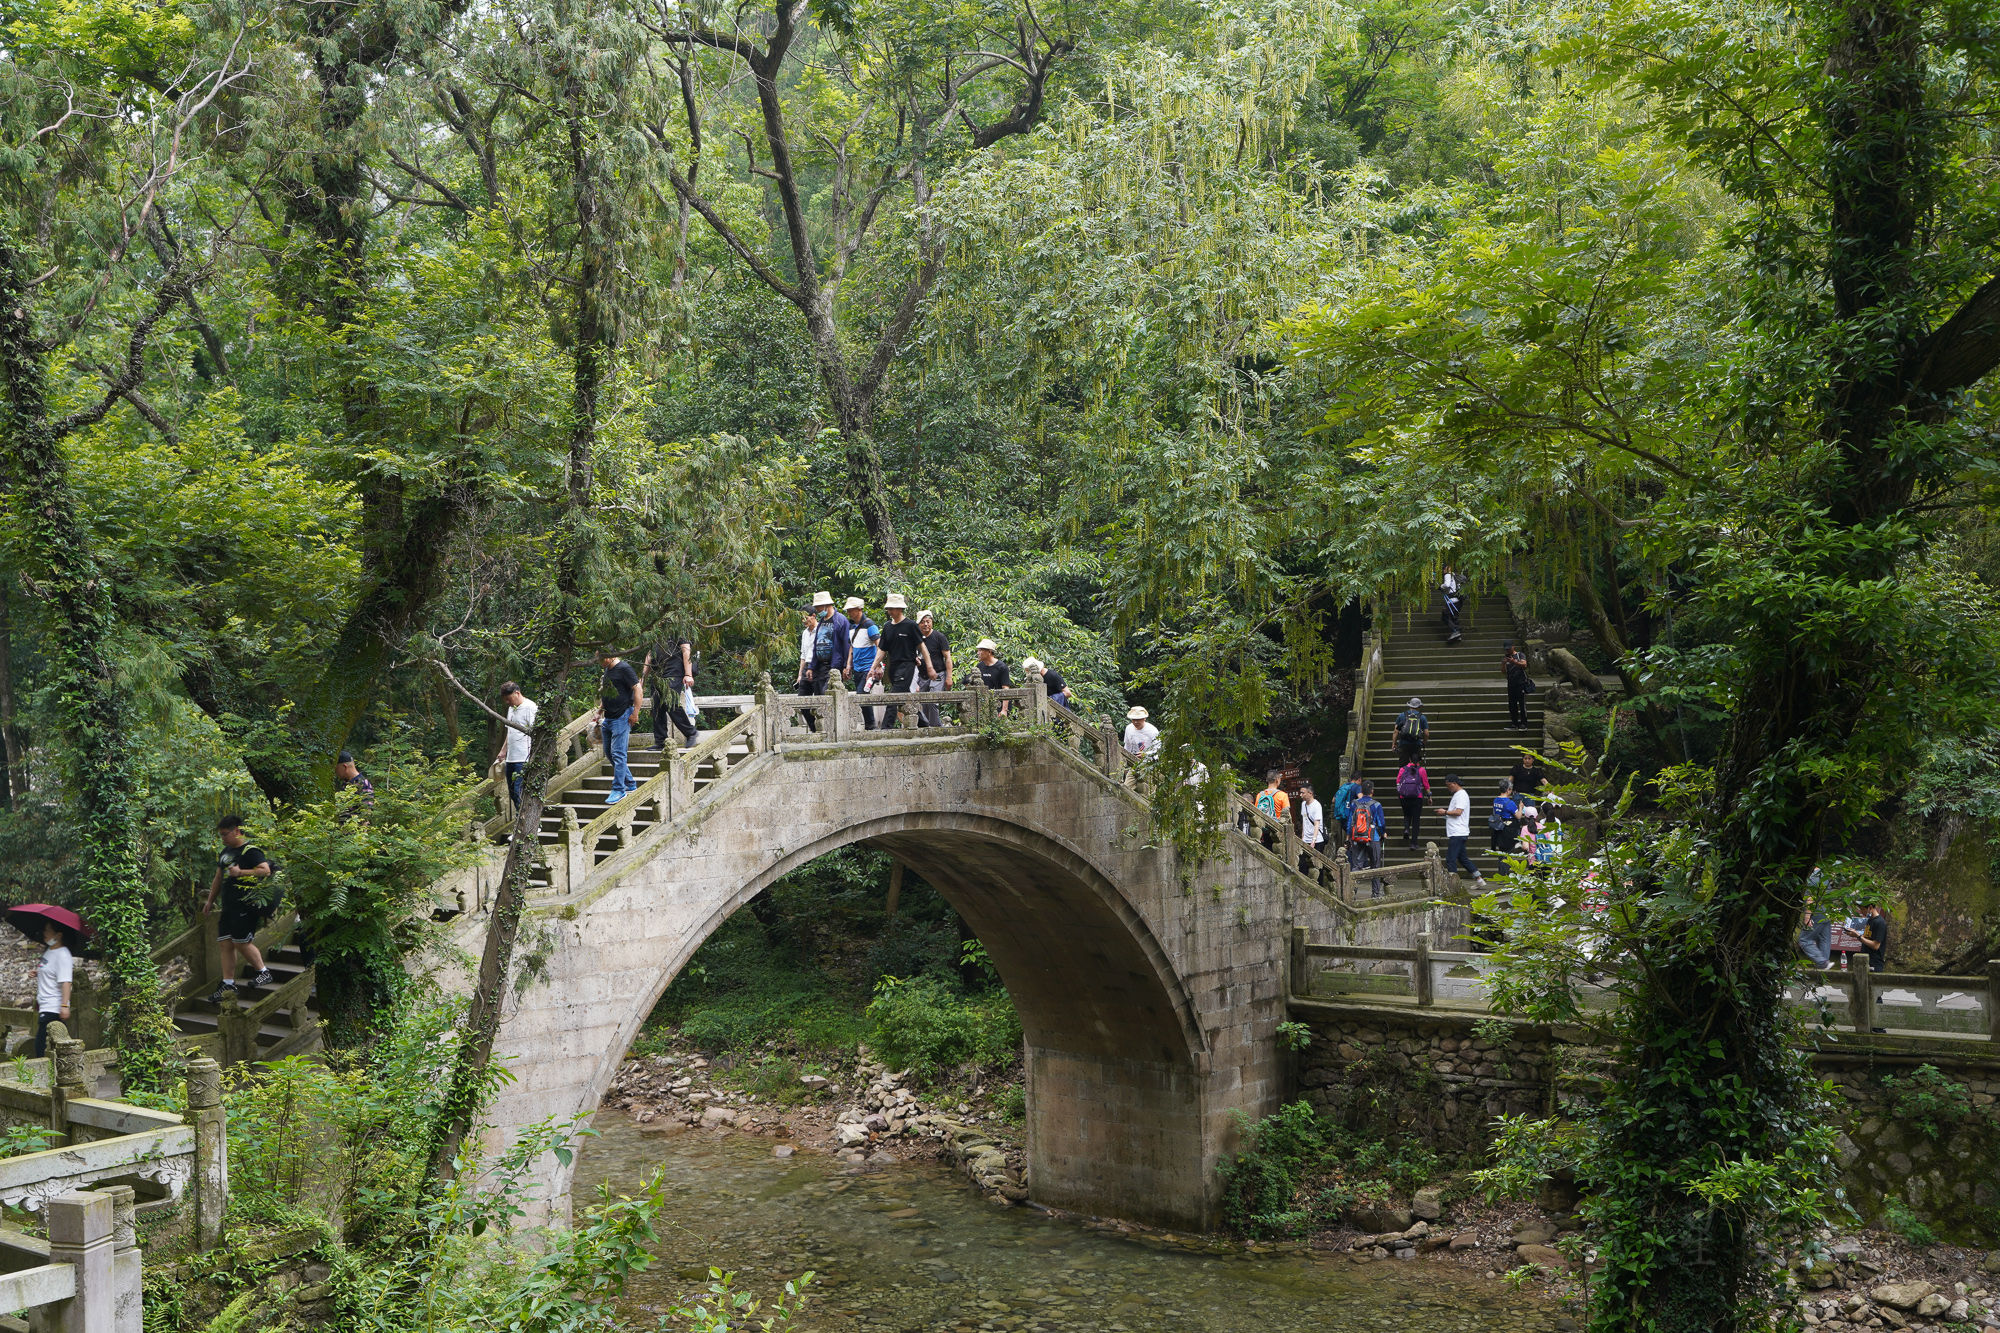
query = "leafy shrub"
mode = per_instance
[
  {"x": 1012, "y": 1103},
  {"x": 20, "y": 1140},
  {"x": 1259, "y": 1183},
  {"x": 925, "y": 1026},
  {"x": 909, "y": 947},
  {"x": 1927, "y": 1099},
  {"x": 1896, "y": 1215}
]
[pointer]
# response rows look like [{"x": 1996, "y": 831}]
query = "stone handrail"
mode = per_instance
[
  {"x": 183, "y": 1157},
  {"x": 1352, "y": 888},
  {"x": 88, "y": 1276},
  {"x": 1954, "y": 1008},
  {"x": 240, "y": 1025}
]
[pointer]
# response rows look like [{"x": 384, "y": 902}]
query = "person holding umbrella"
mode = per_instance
[
  {"x": 241, "y": 916},
  {"x": 56, "y": 929}
]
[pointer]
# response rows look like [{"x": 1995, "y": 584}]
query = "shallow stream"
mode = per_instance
[{"x": 908, "y": 1247}]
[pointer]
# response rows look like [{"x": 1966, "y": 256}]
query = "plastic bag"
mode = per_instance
[{"x": 687, "y": 707}]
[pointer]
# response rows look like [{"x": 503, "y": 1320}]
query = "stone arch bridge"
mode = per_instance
[{"x": 1149, "y": 999}]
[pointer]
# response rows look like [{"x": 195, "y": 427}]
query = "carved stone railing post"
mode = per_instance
[
  {"x": 1434, "y": 876},
  {"x": 1300, "y": 982},
  {"x": 128, "y": 1279},
  {"x": 1114, "y": 752},
  {"x": 65, "y": 1076},
  {"x": 576, "y": 857},
  {"x": 211, "y": 1150},
  {"x": 982, "y": 701},
  {"x": 773, "y": 723},
  {"x": 835, "y": 713},
  {"x": 1038, "y": 699},
  {"x": 82, "y": 1232},
  {"x": 1420, "y": 971}
]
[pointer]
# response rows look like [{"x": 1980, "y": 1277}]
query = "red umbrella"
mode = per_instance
[{"x": 31, "y": 918}]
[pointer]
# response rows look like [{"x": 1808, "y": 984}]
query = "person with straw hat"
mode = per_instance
[
  {"x": 1052, "y": 680},
  {"x": 863, "y": 637},
  {"x": 902, "y": 654},
  {"x": 994, "y": 671},
  {"x": 833, "y": 646},
  {"x": 1142, "y": 738}
]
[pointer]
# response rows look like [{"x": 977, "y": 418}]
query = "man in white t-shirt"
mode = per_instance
[
  {"x": 52, "y": 985},
  {"x": 1457, "y": 814},
  {"x": 1142, "y": 738},
  {"x": 1312, "y": 822},
  {"x": 520, "y": 722}
]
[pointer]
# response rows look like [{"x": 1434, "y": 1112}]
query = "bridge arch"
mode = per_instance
[{"x": 1149, "y": 1006}]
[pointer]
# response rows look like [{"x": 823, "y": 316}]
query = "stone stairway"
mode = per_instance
[
  {"x": 584, "y": 799},
  {"x": 280, "y": 1027},
  {"x": 1465, "y": 697}
]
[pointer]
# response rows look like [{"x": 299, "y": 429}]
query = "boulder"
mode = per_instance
[
  {"x": 1544, "y": 1255},
  {"x": 1428, "y": 1205},
  {"x": 1902, "y": 1295},
  {"x": 1571, "y": 668},
  {"x": 1379, "y": 1219},
  {"x": 1465, "y": 1240},
  {"x": 1933, "y": 1305},
  {"x": 1534, "y": 1233},
  {"x": 1958, "y": 1312},
  {"x": 718, "y": 1115},
  {"x": 783, "y": 1150},
  {"x": 847, "y": 1135},
  {"x": 814, "y": 1082}
]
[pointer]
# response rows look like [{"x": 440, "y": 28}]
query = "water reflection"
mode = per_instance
[{"x": 907, "y": 1248}]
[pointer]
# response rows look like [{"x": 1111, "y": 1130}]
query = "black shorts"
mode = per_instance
[{"x": 240, "y": 919}]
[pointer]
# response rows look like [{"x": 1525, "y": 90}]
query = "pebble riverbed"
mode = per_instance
[{"x": 909, "y": 1247}]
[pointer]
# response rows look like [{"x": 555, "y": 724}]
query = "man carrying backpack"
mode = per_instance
[
  {"x": 1364, "y": 834},
  {"x": 1413, "y": 787},
  {"x": 1273, "y": 804},
  {"x": 1413, "y": 731},
  {"x": 1343, "y": 804},
  {"x": 1453, "y": 599}
]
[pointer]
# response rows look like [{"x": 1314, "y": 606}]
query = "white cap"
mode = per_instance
[
  {"x": 895, "y": 602},
  {"x": 926, "y": 615},
  {"x": 987, "y": 646},
  {"x": 853, "y": 604},
  {"x": 1032, "y": 664},
  {"x": 822, "y": 598},
  {"x": 1136, "y": 714}
]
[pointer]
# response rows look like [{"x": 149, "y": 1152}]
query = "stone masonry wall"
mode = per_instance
[
  {"x": 1445, "y": 1075},
  {"x": 1438, "y": 1075}
]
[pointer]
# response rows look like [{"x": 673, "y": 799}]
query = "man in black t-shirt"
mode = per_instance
[
  {"x": 245, "y": 906},
  {"x": 618, "y": 704},
  {"x": 994, "y": 672},
  {"x": 669, "y": 666},
  {"x": 935, "y": 677},
  {"x": 1875, "y": 939},
  {"x": 899, "y": 653}
]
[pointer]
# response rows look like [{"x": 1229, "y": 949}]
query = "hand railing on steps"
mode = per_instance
[{"x": 1365, "y": 681}]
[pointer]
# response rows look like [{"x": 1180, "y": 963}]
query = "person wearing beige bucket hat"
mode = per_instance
[
  {"x": 994, "y": 672},
  {"x": 1142, "y": 738},
  {"x": 862, "y": 655},
  {"x": 832, "y": 648},
  {"x": 902, "y": 653}
]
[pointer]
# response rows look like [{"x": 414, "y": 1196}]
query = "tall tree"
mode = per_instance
[
  {"x": 91, "y": 148},
  {"x": 856, "y": 111}
]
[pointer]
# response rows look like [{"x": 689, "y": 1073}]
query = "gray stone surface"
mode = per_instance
[{"x": 1150, "y": 1004}]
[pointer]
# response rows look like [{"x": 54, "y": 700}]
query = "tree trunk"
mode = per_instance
[
  {"x": 14, "y": 783},
  {"x": 71, "y": 587},
  {"x": 1711, "y": 1073},
  {"x": 853, "y": 412}
]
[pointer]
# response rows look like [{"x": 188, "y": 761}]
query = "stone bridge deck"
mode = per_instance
[{"x": 1149, "y": 991}]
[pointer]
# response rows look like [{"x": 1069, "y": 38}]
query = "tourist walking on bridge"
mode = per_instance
[
  {"x": 832, "y": 645},
  {"x": 1457, "y": 814},
  {"x": 806, "y": 637},
  {"x": 994, "y": 671},
  {"x": 1142, "y": 738},
  {"x": 241, "y": 915},
  {"x": 1052, "y": 681},
  {"x": 618, "y": 713},
  {"x": 669, "y": 666},
  {"x": 1312, "y": 824},
  {"x": 1514, "y": 665},
  {"x": 1413, "y": 731},
  {"x": 863, "y": 636},
  {"x": 1413, "y": 788},
  {"x": 902, "y": 660},
  {"x": 1364, "y": 833},
  {"x": 521, "y": 712},
  {"x": 935, "y": 663}
]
